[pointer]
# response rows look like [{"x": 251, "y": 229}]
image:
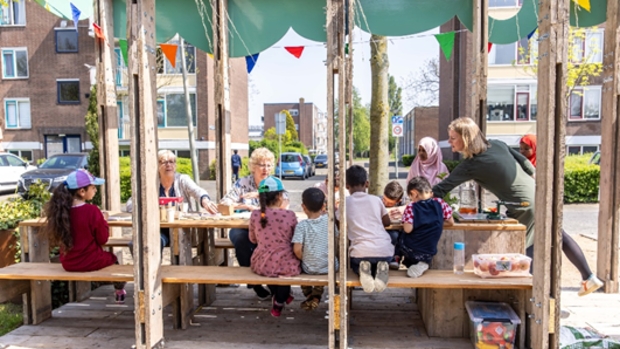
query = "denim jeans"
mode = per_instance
[
  {"x": 355, "y": 263},
  {"x": 243, "y": 246}
]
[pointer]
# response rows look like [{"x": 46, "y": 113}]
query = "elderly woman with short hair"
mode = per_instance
[{"x": 244, "y": 196}]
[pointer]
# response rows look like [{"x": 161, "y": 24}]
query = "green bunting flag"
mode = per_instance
[
  {"x": 446, "y": 43},
  {"x": 123, "y": 45}
]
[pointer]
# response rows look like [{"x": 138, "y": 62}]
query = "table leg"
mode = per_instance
[
  {"x": 182, "y": 255},
  {"x": 38, "y": 306},
  {"x": 206, "y": 293}
]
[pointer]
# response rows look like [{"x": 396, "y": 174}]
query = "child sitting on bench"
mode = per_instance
[
  {"x": 423, "y": 222},
  {"x": 271, "y": 229},
  {"x": 310, "y": 243},
  {"x": 80, "y": 229}
]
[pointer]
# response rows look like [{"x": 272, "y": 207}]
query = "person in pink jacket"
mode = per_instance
[{"x": 429, "y": 162}]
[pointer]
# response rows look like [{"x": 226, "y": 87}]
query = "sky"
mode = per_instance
[{"x": 279, "y": 77}]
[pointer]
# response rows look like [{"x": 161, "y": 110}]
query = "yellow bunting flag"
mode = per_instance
[
  {"x": 585, "y": 4},
  {"x": 170, "y": 51},
  {"x": 47, "y": 7}
]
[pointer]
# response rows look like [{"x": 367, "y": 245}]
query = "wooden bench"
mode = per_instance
[
  {"x": 124, "y": 242},
  {"x": 448, "y": 280}
]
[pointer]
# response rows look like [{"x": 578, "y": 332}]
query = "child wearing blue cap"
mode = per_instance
[
  {"x": 80, "y": 229},
  {"x": 271, "y": 229}
]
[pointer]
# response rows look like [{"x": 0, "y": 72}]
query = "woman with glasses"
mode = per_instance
[
  {"x": 173, "y": 184},
  {"x": 244, "y": 196}
]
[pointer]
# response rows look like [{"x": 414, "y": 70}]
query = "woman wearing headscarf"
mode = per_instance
[
  {"x": 590, "y": 283},
  {"x": 429, "y": 162},
  {"x": 527, "y": 147}
]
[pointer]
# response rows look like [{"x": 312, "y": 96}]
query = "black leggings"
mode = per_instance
[
  {"x": 280, "y": 293},
  {"x": 572, "y": 251}
]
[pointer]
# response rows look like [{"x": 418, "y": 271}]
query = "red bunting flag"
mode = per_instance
[
  {"x": 295, "y": 50},
  {"x": 98, "y": 31},
  {"x": 489, "y": 46},
  {"x": 170, "y": 51}
]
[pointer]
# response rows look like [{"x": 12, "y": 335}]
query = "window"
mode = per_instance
[
  {"x": 182, "y": 154},
  {"x": 585, "y": 103},
  {"x": 164, "y": 66},
  {"x": 66, "y": 40},
  {"x": 293, "y": 112},
  {"x": 588, "y": 48},
  {"x": 171, "y": 110},
  {"x": 14, "y": 63},
  {"x": 24, "y": 154},
  {"x": 512, "y": 103},
  {"x": 124, "y": 152},
  {"x": 68, "y": 91},
  {"x": 14, "y": 13},
  {"x": 17, "y": 113},
  {"x": 582, "y": 149},
  {"x": 503, "y": 54},
  {"x": 121, "y": 67}
]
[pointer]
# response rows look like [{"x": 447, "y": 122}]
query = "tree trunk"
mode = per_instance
[{"x": 379, "y": 114}]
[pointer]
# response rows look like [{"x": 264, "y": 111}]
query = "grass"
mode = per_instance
[{"x": 10, "y": 317}]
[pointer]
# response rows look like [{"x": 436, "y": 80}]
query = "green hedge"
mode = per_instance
[{"x": 407, "y": 159}]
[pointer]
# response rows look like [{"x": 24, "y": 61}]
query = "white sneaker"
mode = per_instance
[
  {"x": 416, "y": 270},
  {"x": 366, "y": 279},
  {"x": 590, "y": 285},
  {"x": 383, "y": 275}
]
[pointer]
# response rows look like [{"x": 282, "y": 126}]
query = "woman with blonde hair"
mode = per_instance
[
  {"x": 428, "y": 163},
  {"x": 244, "y": 196}
]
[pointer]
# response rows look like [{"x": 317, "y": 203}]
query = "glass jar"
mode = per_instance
[{"x": 468, "y": 200}]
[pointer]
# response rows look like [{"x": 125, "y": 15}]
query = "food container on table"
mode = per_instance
[
  {"x": 493, "y": 325},
  {"x": 499, "y": 265}
]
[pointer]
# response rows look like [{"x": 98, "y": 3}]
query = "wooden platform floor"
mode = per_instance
[{"x": 236, "y": 320}]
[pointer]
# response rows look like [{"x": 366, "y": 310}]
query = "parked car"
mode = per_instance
[
  {"x": 320, "y": 161},
  {"x": 53, "y": 171},
  {"x": 595, "y": 159},
  {"x": 291, "y": 165},
  {"x": 11, "y": 167},
  {"x": 310, "y": 169}
]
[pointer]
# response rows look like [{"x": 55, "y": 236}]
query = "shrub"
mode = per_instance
[
  {"x": 581, "y": 180},
  {"x": 184, "y": 166},
  {"x": 451, "y": 164},
  {"x": 408, "y": 159}
]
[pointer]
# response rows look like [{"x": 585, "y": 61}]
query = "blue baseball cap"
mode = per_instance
[
  {"x": 82, "y": 178},
  {"x": 270, "y": 184}
]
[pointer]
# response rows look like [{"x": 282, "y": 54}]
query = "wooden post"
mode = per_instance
[
  {"x": 349, "y": 77},
  {"x": 609, "y": 208},
  {"x": 550, "y": 128},
  {"x": 480, "y": 63},
  {"x": 142, "y": 102},
  {"x": 107, "y": 110},
  {"x": 223, "y": 176}
]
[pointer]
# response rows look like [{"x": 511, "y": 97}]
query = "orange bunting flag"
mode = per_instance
[
  {"x": 585, "y": 4},
  {"x": 489, "y": 46},
  {"x": 170, "y": 51},
  {"x": 98, "y": 31},
  {"x": 295, "y": 50}
]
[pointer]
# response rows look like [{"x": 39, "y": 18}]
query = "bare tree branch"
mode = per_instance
[{"x": 422, "y": 89}]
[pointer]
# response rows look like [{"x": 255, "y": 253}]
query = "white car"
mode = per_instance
[{"x": 11, "y": 167}]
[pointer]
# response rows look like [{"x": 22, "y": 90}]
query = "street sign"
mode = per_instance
[
  {"x": 397, "y": 130},
  {"x": 397, "y": 119},
  {"x": 280, "y": 123}
]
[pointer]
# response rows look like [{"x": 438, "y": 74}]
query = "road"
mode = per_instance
[{"x": 578, "y": 218}]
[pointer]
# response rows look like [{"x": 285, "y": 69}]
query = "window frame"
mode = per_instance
[
  {"x": 583, "y": 91},
  {"x": 21, "y": 3},
  {"x": 528, "y": 105},
  {"x": 517, "y": 89},
  {"x": 15, "y": 50},
  {"x": 17, "y": 126},
  {"x": 66, "y": 30},
  {"x": 162, "y": 98},
  {"x": 19, "y": 154},
  {"x": 64, "y": 81}
]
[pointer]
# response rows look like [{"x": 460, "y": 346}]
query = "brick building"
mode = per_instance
[
  {"x": 420, "y": 122},
  {"x": 310, "y": 122},
  {"x": 46, "y": 80}
]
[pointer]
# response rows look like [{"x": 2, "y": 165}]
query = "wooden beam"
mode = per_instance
[
  {"x": 223, "y": 176},
  {"x": 550, "y": 128},
  {"x": 480, "y": 64},
  {"x": 107, "y": 110},
  {"x": 142, "y": 102},
  {"x": 609, "y": 207}
]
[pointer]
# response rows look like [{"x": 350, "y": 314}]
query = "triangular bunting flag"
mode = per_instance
[
  {"x": 446, "y": 43},
  {"x": 295, "y": 50},
  {"x": 250, "y": 62},
  {"x": 170, "y": 51},
  {"x": 98, "y": 31},
  {"x": 75, "y": 14},
  {"x": 489, "y": 47},
  {"x": 529, "y": 36},
  {"x": 47, "y": 7},
  {"x": 346, "y": 48},
  {"x": 122, "y": 43},
  {"x": 585, "y": 4},
  {"x": 210, "y": 55}
]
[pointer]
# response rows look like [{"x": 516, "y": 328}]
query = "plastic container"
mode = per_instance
[
  {"x": 493, "y": 324},
  {"x": 499, "y": 265},
  {"x": 459, "y": 258}
]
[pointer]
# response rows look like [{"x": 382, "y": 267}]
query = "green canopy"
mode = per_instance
[{"x": 255, "y": 25}]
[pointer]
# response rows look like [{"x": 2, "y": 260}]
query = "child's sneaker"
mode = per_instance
[
  {"x": 366, "y": 279},
  {"x": 395, "y": 263},
  {"x": 290, "y": 299},
  {"x": 383, "y": 274},
  {"x": 590, "y": 285},
  {"x": 120, "y": 296},
  {"x": 416, "y": 270},
  {"x": 276, "y": 308}
]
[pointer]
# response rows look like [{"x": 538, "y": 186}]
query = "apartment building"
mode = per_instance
[
  {"x": 418, "y": 123},
  {"x": 45, "y": 87},
  {"x": 310, "y": 122},
  {"x": 512, "y": 86}
]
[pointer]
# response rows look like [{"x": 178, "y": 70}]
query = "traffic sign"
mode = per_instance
[
  {"x": 397, "y": 119},
  {"x": 397, "y": 130}
]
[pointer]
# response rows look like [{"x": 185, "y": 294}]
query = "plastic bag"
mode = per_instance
[{"x": 581, "y": 338}]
